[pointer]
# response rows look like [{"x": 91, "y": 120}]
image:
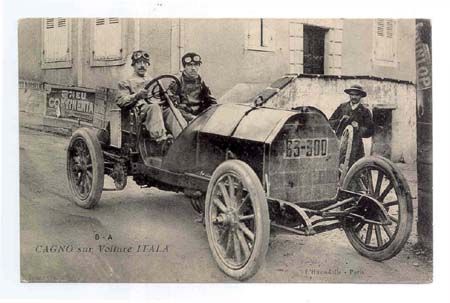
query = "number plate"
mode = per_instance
[{"x": 305, "y": 148}]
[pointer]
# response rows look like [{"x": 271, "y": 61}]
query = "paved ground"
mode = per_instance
[{"x": 177, "y": 247}]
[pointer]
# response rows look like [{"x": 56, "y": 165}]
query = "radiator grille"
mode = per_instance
[{"x": 304, "y": 178}]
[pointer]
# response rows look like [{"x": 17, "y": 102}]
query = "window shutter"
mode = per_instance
[
  {"x": 107, "y": 39},
  {"x": 56, "y": 40},
  {"x": 62, "y": 48},
  {"x": 268, "y": 34},
  {"x": 49, "y": 23},
  {"x": 295, "y": 47},
  {"x": 100, "y": 21},
  {"x": 389, "y": 29},
  {"x": 380, "y": 28},
  {"x": 260, "y": 35},
  {"x": 254, "y": 33},
  {"x": 113, "y": 20},
  {"x": 49, "y": 34},
  {"x": 385, "y": 40}
]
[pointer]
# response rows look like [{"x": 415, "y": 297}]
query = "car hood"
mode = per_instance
[{"x": 242, "y": 121}]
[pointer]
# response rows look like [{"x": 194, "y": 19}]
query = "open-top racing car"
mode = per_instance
[{"x": 246, "y": 168}]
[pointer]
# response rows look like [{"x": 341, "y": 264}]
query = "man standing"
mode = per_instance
[
  {"x": 132, "y": 93},
  {"x": 195, "y": 95},
  {"x": 355, "y": 114}
]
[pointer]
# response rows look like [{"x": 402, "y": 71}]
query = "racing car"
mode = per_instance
[{"x": 247, "y": 169}]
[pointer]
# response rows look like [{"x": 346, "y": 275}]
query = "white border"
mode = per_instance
[{"x": 10, "y": 288}]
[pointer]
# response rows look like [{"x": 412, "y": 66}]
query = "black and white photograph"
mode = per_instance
[{"x": 225, "y": 150}]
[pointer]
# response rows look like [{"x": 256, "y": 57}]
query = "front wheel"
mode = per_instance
[
  {"x": 237, "y": 219},
  {"x": 345, "y": 151},
  {"x": 378, "y": 178},
  {"x": 85, "y": 168}
]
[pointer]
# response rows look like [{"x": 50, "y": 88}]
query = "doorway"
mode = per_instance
[
  {"x": 313, "y": 49},
  {"x": 382, "y": 138}
]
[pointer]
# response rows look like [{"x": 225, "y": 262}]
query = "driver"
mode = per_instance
[{"x": 132, "y": 93}]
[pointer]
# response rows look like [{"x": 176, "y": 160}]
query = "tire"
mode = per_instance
[
  {"x": 345, "y": 151},
  {"x": 237, "y": 217},
  {"x": 85, "y": 168},
  {"x": 392, "y": 191}
]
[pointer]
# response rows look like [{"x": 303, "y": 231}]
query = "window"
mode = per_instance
[
  {"x": 107, "y": 42},
  {"x": 295, "y": 48},
  {"x": 260, "y": 36},
  {"x": 385, "y": 46},
  {"x": 56, "y": 43},
  {"x": 313, "y": 49}
]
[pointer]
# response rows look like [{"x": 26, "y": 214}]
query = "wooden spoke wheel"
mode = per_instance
[
  {"x": 237, "y": 219},
  {"x": 85, "y": 168},
  {"x": 198, "y": 204},
  {"x": 380, "y": 179}
]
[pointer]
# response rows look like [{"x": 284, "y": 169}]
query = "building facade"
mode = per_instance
[{"x": 241, "y": 56}]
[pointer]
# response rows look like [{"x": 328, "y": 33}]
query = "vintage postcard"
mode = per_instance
[{"x": 225, "y": 150}]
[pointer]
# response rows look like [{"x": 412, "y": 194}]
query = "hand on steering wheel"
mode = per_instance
[
  {"x": 160, "y": 86},
  {"x": 142, "y": 94}
]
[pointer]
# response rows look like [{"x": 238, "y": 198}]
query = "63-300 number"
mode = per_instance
[{"x": 302, "y": 148}]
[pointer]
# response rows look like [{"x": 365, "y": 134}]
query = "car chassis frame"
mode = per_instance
[{"x": 234, "y": 202}]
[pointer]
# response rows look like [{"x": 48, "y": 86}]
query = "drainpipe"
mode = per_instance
[
  {"x": 79, "y": 56},
  {"x": 424, "y": 133}
]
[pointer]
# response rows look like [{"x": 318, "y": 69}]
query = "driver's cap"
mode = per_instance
[
  {"x": 140, "y": 55},
  {"x": 191, "y": 58}
]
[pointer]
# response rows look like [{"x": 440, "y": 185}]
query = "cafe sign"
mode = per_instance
[{"x": 70, "y": 102}]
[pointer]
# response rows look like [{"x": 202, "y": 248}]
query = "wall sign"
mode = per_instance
[{"x": 72, "y": 103}]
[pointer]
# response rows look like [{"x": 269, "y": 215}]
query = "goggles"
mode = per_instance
[
  {"x": 194, "y": 59},
  {"x": 140, "y": 55}
]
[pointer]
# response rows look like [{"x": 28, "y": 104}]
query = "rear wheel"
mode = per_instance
[
  {"x": 85, "y": 168},
  {"x": 380, "y": 179},
  {"x": 198, "y": 204},
  {"x": 237, "y": 219}
]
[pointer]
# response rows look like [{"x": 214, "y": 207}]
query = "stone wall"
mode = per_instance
[
  {"x": 327, "y": 92},
  {"x": 31, "y": 97}
]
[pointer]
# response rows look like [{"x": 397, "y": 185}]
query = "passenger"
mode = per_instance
[
  {"x": 195, "y": 95},
  {"x": 355, "y": 114},
  {"x": 132, "y": 93}
]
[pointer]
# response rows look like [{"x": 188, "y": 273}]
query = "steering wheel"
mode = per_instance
[
  {"x": 161, "y": 92},
  {"x": 160, "y": 86}
]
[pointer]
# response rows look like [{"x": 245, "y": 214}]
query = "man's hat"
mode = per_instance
[
  {"x": 191, "y": 58},
  {"x": 356, "y": 88},
  {"x": 140, "y": 55}
]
